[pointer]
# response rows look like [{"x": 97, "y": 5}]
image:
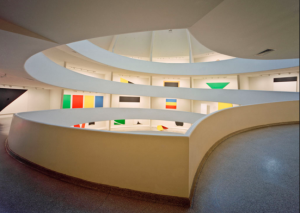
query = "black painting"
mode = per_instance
[{"x": 7, "y": 96}]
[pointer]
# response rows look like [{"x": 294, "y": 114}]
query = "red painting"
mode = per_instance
[{"x": 77, "y": 101}]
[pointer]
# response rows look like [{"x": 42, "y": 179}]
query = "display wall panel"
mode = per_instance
[
  {"x": 7, "y": 96},
  {"x": 229, "y": 82},
  {"x": 266, "y": 82},
  {"x": 99, "y": 101},
  {"x": 89, "y": 71},
  {"x": 77, "y": 101},
  {"x": 287, "y": 84},
  {"x": 130, "y": 99},
  {"x": 129, "y": 102},
  {"x": 99, "y": 125},
  {"x": 144, "y": 102},
  {"x": 34, "y": 99},
  {"x": 218, "y": 85},
  {"x": 89, "y": 101},
  {"x": 131, "y": 79},
  {"x": 171, "y": 103},
  {"x": 123, "y": 80},
  {"x": 119, "y": 122},
  {"x": 66, "y": 102},
  {"x": 178, "y": 123},
  {"x": 171, "y": 82},
  {"x": 224, "y": 105},
  {"x": 130, "y": 125},
  {"x": 172, "y": 126},
  {"x": 161, "y": 103}
]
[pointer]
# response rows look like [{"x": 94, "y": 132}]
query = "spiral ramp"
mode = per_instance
[{"x": 153, "y": 166}]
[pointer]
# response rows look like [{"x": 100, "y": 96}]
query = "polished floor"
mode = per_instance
[{"x": 256, "y": 171}]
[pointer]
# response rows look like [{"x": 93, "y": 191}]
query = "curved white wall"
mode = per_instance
[
  {"x": 159, "y": 164},
  {"x": 43, "y": 69},
  {"x": 70, "y": 117},
  {"x": 232, "y": 66}
]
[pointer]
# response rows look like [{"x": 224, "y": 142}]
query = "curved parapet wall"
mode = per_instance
[
  {"x": 161, "y": 166},
  {"x": 232, "y": 66},
  {"x": 210, "y": 131},
  {"x": 70, "y": 117},
  {"x": 43, "y": 69}
]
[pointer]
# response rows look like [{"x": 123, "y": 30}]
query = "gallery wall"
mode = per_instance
[
  {"x": 69, "y": 61},
  {"x": 202, "y": 82},
  {"x": 34, "y": 99},
  {"x": 135, "y": 79},
  {"x": 266, "y": 82},
  {"x": 214, "y": 57},
  {"x": 207, "y": 107},
  {"x": 56, "y": 96},
  {"x": 183, "y": 81},
  {"x": 94, "y": 72},
  {"x": 89, "y": 100},
  {"x": 172, "y": 126},
  {"x": 99, "y": 125},
  {"x": 97, "y": 70},
  {"x": 85, "y": 95},
  {"x": 161, "y": 103}
]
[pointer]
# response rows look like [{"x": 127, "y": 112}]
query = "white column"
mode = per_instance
[
  {"x": 192, "y": 101},
  {"x": 113, "y": 43},
  {"x": 150, "y": 102},
  {"x": 151, "y": 45},
  {"x": 110, "y": 104},
  {"x": 190, "y": 46}
]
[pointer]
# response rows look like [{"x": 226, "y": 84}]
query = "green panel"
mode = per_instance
[
  {"x": 67, "y": 102},
  {"x": 119, "y": 122},
  {"x": 220, "y": 85}
]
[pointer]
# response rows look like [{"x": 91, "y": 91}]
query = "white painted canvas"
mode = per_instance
[
  {"x": 289, "y": 86},
  {"x": 129, "y": 105}
]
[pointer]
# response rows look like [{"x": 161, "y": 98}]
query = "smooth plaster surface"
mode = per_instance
[
  {"x": 167, "y": 163},
  {"x": 232, "y": 66},
  {"x": 256, "y": 171},
  {"x": 43, "y": 69}
]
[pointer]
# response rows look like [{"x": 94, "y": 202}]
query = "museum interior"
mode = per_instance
[{"x": 149, "y": 106}]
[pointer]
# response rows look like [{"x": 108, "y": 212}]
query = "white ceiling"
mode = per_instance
[
  {"x": 134, "y": 44},
  {"x": 197, "y": 48},
  {"x": 103, "y": 42},
  {"x": 170, "y": 43},
  {"x": 234, "y": 27},
  {"x": 74, "y": 20},
  {"x": 245, "y": 28},
  {"x": 166, "y": 43}
]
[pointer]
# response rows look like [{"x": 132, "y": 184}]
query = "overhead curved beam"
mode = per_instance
[
  {"x": 231, "y": 66},
  {"x": 72, "y": 20},
  {"x": 43, "y": 69},
  {"x": 244, "y": 28}
]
